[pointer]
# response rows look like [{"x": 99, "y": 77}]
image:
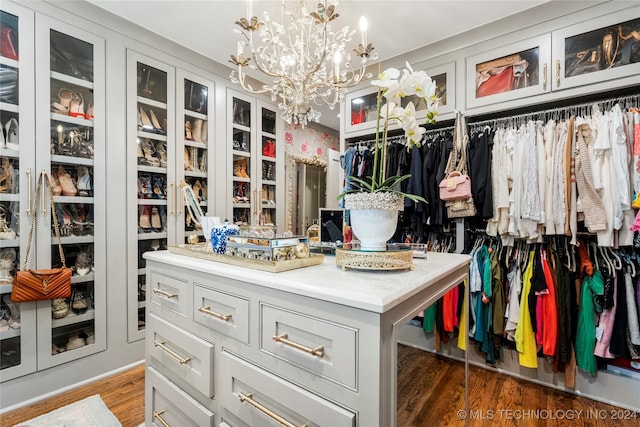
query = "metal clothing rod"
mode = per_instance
[{"x": 628, "y": 101}]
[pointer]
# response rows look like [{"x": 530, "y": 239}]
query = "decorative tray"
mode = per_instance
[
  {"x": 202, "y": 251},
  {"x": 370, "y": 260}
]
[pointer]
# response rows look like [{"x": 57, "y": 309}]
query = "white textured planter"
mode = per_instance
[{"x": 374, "y": 217}]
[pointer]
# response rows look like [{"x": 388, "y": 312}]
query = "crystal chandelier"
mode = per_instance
[{"x": 307, "y": 62}]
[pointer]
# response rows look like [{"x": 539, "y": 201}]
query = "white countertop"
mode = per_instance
[{"x": 376, "y": 291}]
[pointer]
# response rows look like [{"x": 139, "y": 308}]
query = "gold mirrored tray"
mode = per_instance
[{"x": 369, "y": 260}]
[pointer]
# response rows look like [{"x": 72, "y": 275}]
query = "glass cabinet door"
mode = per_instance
[
  {"x": 152, "y": 191},
  {"x": 241, "y": 144},
  {"x": 70, "y": 94},
  {"x": 17, "y": 320},
  {"x": 193, "y": 147},
  {"x": 266, "y": 196}
]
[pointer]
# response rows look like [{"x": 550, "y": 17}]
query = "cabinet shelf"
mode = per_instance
[
  {"x": 10, "y": 333},
  {"x": 6, "y": 289},
  {"x": 195, "y": 174},
  {"x": 71, "y": 80},
  {"x": 90, "y": 277},
  {"x": 73, "y": 318},
  {"x": 9, "y": 62},
  {"x": 68, "y": 160},
  {"x": 9, "y": 197},
  {"x": 238, "y": 153},
  {"x": 152, "y": 202},
  {"x": 9, "y": 153},
  {"x": 151, "y": 102},
  {"x": 10, "y": 243},
  {"x": 151, "y": 135},
  {"x": 268, "y": 159},
  {"x": 73, "y": 199},
  {"x": 152, "y": 235},
  {"x": 12, "y": 108},
  {"x": 195, "y": 115},
  {"x": 73, "y": 240},
  {"x": 71, "y": 120},
  {"x": 152, "y": 169},
  {"x": 196, "y": 144}
]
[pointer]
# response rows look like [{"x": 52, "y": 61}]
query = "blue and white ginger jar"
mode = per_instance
[{"x": 219, "y": 235}]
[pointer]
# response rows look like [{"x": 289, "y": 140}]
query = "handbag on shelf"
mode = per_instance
[
  {"x": 45, "y": 284},
  {"x": 455, "y": 189}
]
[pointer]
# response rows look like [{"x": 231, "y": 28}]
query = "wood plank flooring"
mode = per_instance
[{"x": 430, "y": 394}]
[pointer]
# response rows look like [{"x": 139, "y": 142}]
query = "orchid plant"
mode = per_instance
[{"x": 394, "y": 85}]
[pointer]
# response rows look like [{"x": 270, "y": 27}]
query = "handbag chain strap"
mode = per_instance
[
  {"x": 460, "y": 137},
  {"x": 34, "y": 209}
]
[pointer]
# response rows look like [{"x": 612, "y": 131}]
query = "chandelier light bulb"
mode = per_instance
[{"x": 363, "y": 30}]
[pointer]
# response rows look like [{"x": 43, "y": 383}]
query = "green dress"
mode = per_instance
[{"x": 586, "y": 332}]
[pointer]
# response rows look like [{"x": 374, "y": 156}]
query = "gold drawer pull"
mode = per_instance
[
  {"x": 207, "y": 310},
  {"x": 544, "y": 78},
  {"x": 165, "y": 293},
  {"x": 157, "y": 416},
  {"x": 248, "y": 398},
  {"x": 161, "y": 344},
  {"x": 558, "y": 72},
  {"x": 318, "y": 351}
]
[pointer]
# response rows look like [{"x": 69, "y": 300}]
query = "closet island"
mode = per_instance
[{"x": 232, "y": 346}]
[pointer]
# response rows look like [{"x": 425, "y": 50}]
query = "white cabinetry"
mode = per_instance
[
  {"x": 311, "y": 346},
  {"x": 256, "y": 145},
  {"x": 58, "y": 129}
]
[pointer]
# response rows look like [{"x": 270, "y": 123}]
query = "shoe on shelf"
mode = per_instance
[
  {"x": 91, "y": 336},
  {"x": 59, "y": 308},
  {"x": 76, "y": 340},
  {"x": 66, "y": 183},
  {"x": 12, "y": 134},
  {"x": 84, "y": 183},
  {"x": 14, "y": 312}
]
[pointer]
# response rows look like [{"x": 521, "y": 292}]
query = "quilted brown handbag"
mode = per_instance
[{"x": 35, "y": 285}]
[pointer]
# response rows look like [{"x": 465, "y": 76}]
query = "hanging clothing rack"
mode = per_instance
[
  {"x": 628, "y": 101},
  {"x": 368, "y": 142}
]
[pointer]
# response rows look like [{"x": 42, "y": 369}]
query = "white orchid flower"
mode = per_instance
[
  {"x": 387, "y": 78},
  {"x": 392, "y": 112},
  {"x": 413, "y": 132}
]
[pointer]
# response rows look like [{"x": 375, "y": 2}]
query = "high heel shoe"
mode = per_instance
[
  {"x": 54, "y": 184},
  {"x": 196, "y": 130},
  {"x": 84, "y": 183},
  {"x": 187, "y": 131},
  {"x": 203, "y": 191},
  {"x": 156, "y": 224},
  {"x": 9, "y": 43},
  {"x": 89, "y": 114},
  {"x": 76, "y": 107},
  {"x": 65, "y": 97},
  {"x": 11, "y": 132},
  {"x": 187, "y": 160},
  {"x": 145, "y": 120},
  {"x": 59, "y": 308},
  {"x": 144, "y": 220},
  {"x": 161, "y": 148},
  {"x": 156, "y": 123},
  {"x": 14, "y": 312},
  {"x": 68, "y": 188},
  {"x": 6, "y": 176},
  {"x": 197, "y": 188},
  {"x": 149, "y": 150},
  {"x": 78, "y": 302}
]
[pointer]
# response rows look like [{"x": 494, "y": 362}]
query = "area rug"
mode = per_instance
[{"x": 89, "y": 412}]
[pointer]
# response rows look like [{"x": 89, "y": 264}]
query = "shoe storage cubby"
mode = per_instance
[{"x": 256, "y": 163}]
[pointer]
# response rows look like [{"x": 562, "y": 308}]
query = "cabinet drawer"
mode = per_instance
[
  {"x": 221, "y": 312},
  {"x": 325, "y": 348},
  {"x": 252, "y": 394},
  {"x": 170, "y": 293},
  {"x": 165, "y": 400},
  {"x": 190, "y": 357}
]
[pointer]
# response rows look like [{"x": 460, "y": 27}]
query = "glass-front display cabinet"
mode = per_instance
[
  {"x": 152, "y": 193},
  {"x": 70, "y": 149},
  {"x": 195, "y": 118},
  {"x": 18, "y": 322},
  {"x": 255, "y": 133},
  {"x": 597, "y": 50}
]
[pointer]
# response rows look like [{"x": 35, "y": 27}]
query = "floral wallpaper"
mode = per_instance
[{"x": 309, "y": 142}]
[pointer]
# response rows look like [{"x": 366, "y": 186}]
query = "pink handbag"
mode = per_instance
[{"x": 455, "y": 186}]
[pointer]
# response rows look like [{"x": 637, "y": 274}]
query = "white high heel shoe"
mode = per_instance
[{"x": 11, "y": 129}]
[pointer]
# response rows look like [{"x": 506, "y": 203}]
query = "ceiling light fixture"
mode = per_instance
[{"x": 306, "y": 60}]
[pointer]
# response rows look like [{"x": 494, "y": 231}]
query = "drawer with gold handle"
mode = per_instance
[{"x": 221, "y": 312}]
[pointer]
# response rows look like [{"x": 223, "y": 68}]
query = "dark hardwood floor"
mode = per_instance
[{"x": 430, "y": 393}]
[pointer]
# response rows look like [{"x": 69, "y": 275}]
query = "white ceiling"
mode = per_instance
[{"x": 395, "y": 26}]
